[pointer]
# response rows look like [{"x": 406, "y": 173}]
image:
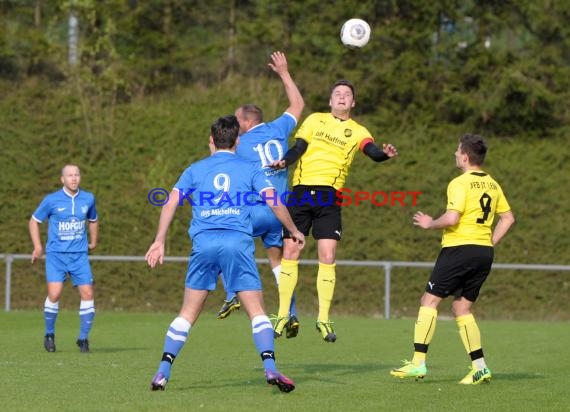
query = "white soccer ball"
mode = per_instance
[{"x": 355, "y": 33}]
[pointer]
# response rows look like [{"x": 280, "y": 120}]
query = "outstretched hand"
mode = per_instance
[
  {"x": 422, "y": 220},
  {"x": 390, "y": 150},
  {"x": 278, "y": 62}
]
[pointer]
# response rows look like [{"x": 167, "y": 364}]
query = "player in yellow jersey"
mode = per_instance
[
  {"x": 464, "y": 262},
  {"x": 325, "y": 146}
]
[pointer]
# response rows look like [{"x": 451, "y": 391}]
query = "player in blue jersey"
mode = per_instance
[
  {"x": 217, "y": 188},
  {"x": 261, "y": 144},
  {"x": 70, "y": 212}
]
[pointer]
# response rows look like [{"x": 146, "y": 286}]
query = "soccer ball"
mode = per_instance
[{"x": 355, "y": 33}]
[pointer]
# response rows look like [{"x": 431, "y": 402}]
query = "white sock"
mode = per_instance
[
  {"x": 479, "y": 363},
  {"x": 276, "y": 271},
  {"x": 86, "y": 306},
  {"x": 51, "y": 306}
]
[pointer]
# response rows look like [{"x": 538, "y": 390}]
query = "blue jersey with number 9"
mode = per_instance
[{"x": 218, "y": 188}]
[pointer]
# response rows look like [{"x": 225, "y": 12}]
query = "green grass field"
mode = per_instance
[{"x": 219, "y": 370}]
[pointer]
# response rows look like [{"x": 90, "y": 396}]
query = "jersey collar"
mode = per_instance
[
  {"x": 257, "y": 125},
  {"x": 69, "y": 194}
]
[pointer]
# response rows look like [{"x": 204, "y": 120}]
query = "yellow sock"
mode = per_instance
[
  {"x": 423, "y": 333},
  {"x": 471, "y": 338},
  {"x": 326, "y": 278},
  {"x": 286, "y": 285}
]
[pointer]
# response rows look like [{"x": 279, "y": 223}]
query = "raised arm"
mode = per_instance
[{"x": 279, "y": 65}]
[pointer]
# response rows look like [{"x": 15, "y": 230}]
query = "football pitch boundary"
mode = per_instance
[{"x": 219, "y": 369}]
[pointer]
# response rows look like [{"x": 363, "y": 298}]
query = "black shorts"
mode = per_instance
[
  {"x": 460, "y": 271},
  {"x": 317, "y": 207}
]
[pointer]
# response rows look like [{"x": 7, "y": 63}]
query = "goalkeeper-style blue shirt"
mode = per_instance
[
  {"x": 266, "y": 143},
  {"x": 68, "y": 215},
  {"x": 218, "y": 188}
]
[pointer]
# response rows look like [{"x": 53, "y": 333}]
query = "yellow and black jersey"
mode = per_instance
[
  {"x": 332, "y": 144},
  {"x": 477, "y": 197}
]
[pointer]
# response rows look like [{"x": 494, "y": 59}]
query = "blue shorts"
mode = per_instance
[
  {"x": 58, "y": 265},
  {"x": 226, "y": 251},
  {"x": 266, "y": 226}
]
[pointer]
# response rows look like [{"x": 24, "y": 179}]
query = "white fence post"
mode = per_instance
[
  {"x": 387, "y": 287},
  {"x": 9, "y": 259}
]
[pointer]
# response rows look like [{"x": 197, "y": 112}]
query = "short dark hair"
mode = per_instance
[
  {"x": 70, "y": 165},
  {"x": 225, "y": 131},
  {"x": 252, "y": 112},
  {"x": 475, "y": 147},
  {"x": 343, "y": 82}
]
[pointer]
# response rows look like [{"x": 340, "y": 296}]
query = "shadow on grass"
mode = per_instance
[
  {"x": 517, "y": 376},
  {"x": 331, "y": 373},
  {"x": 300, "y": 373},
  {"x": 117, "y": 349},
  {"x": 497, "y": 377},
  {"x": 340, "y": 368}
]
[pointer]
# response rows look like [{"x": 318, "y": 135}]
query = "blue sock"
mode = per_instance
[
  {"x": 293, "y": 307},
  {"x": 51, "y": 309},
  {"x": 173, "y": 343},
  {"x": 263, "y": 339},
  {"x": 86, "y": 316}
]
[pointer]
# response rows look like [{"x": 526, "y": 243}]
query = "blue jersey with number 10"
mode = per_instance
[
  {"x": 218, "y": 188},
  {"x": 266, "y": 143}
]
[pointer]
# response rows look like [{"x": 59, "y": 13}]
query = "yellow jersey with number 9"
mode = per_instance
[
  {"x": 332, "y": 144},
  {"x": 477, "y": 197}
]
